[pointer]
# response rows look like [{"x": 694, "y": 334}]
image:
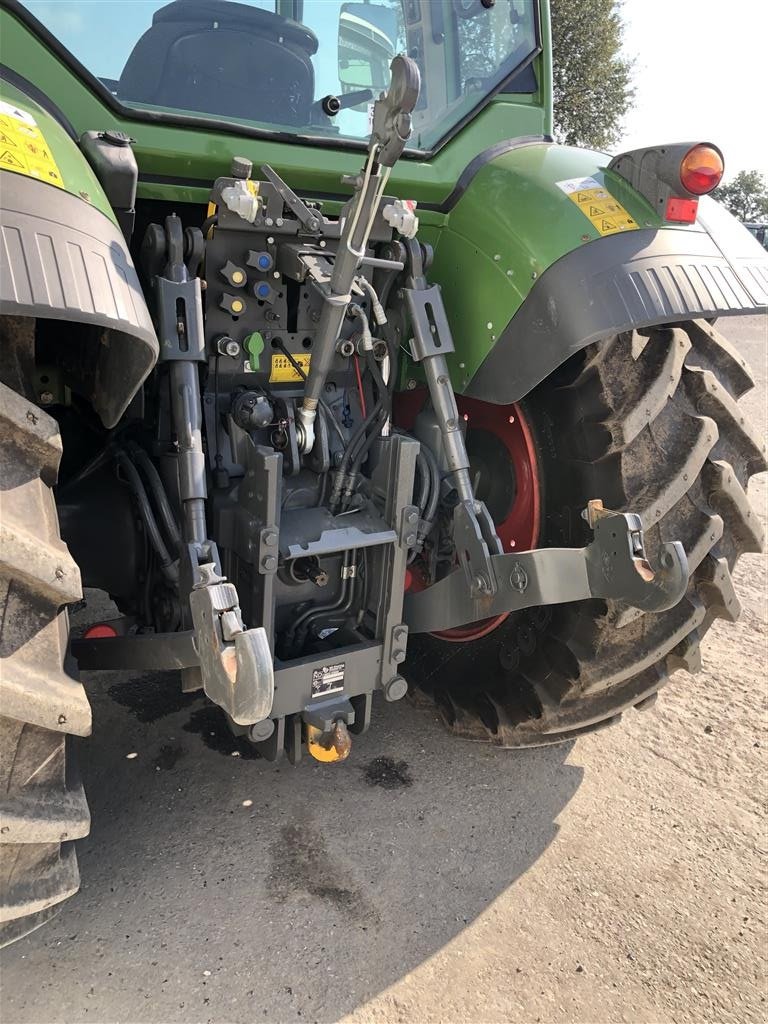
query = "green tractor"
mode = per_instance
[{"x": 339, "y": 375}]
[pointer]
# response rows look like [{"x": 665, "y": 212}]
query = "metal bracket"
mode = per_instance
[
  {"x": 613, "y": 566},
  {"x": 236, "y": 663}
]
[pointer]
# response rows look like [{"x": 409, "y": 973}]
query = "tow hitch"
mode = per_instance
[{"x": 614, "y": 565}]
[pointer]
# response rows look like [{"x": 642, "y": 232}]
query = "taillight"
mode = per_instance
[
  {"x": 701, "y": 169},
  {"x": 100, "y": 631}
]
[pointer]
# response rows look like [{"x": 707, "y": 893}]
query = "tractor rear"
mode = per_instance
[{"x": 340, "y": 377}]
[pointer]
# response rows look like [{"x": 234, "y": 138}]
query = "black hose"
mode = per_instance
[
  {"x": 208, "y": 223},
  {"x": 434, "y": 494},
  {"x": 152, "y": 477},
  {"x": 424, "y": 479},
  {"x": 133, "y": 480}
]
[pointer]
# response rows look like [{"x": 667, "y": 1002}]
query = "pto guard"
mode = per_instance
[{"x": 613, "y": 566}]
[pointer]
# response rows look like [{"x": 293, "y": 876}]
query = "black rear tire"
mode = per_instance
[
  {"x": 42, "y": 804},
  {"x": 649, "y": 422}
]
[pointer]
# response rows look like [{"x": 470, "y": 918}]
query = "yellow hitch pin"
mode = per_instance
[{"x": 329, "y": 746}]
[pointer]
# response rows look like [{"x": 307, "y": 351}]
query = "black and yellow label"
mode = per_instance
[
  {"x": 282, "y": 372},
  {"x": 23, "y": 148},
  {"x": 605, "y": 213}
]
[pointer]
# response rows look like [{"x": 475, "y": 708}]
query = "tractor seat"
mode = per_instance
[{"x": 220, "y": 57}]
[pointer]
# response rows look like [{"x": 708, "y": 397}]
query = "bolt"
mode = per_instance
[
  {"x": 395, "y": 689},
  {"x": 5, "y": 829},
  {"x": 59, "y": 573},
  {"x": 261, "y": 731},
  {"x": 518, "y": 578},
  {"x": 534, "y": 275},
  {"x": 269, "y": 222},
  {"x": 400, "y": 634},
  {"x": 489, "y": 325},
  {"x": 412, "y": 517},
  {"x": 398, "y": 656},
  {"x": 410, "y": 540},
  {"x": 31, "y": 417},
  {"x": 232, "y": 348},
  {"x": 496, "y": 258},
  {"x": 270, "y": 240},
  {"x": 322, "y": 243},
  {"x": 270, "y": 537},
  {"x": 269, "y": 563},
  {"x": 481, "y": 583},
  {"x": 62, "y": 719},
  {"x": 46, "y": 397},
  {"x": 279, "y": 222},
  {"x": 411, "y": 384}
]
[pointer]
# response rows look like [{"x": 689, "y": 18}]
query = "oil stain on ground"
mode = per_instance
[
  {"x": 301, "y": 864},
  {"x": 209, "y": 723},
  {"x": 152, "y": 696},
  {"x": 387, "y": 773},
  {"x": 169, "y": 754}
]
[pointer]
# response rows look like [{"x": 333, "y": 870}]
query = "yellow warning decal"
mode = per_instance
[
  {"x": 599, "y": 207},
  {"x": 282, "y": 372},
  {"x": 23, "y": 148}
]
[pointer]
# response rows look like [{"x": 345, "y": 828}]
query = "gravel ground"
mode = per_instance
[{"x": 427, "y": 879}]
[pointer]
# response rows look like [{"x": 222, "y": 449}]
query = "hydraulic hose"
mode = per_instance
[
  {"x": 133, "y": 480},
  {"x": 157, "y": 490}
]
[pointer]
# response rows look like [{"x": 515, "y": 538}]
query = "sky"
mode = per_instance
[{"x": 701, "y": 74}]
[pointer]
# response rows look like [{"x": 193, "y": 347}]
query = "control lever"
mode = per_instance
[{"x": 311, "y": 219}]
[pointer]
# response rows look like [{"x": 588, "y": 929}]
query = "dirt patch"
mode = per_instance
[
  {"x": 387, "y": 773},
  {"x": 301, "y": 864},
  {"x": 169, "y": 754},
  {"x": 149, "y": 697},
  {"x": 209, "y": 723}
]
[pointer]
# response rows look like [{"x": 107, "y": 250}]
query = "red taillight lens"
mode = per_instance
[
  {"x": 701, "y": 170},
  {"x": 100, "y": 631}
]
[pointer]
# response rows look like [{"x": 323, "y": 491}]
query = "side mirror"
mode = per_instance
[{"x": 367, "y": 44}]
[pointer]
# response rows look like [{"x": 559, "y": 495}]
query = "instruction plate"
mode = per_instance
[
  {"x": 328, "y": 679},
  {"x": 23, "y": 148},
  {"x": 281, "y": 371},
  {"x": 605, "y": 213}
]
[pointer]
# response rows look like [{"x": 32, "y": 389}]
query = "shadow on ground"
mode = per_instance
[{"x": 333, "y": 883}]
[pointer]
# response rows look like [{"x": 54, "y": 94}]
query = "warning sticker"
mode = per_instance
[
  {"x": 283, "y": 372},
  {"x": 599, "y": 207},
  {"x": 328, "y": 679},
  {"x": 23, "y": 148}
]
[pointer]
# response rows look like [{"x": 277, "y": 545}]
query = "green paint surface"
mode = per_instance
[{"x": 76, "y": 173}]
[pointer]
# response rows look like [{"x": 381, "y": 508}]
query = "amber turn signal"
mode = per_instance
[{"x": 701, "y": 169}]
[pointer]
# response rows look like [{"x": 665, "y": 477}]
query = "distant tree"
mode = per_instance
[
  {"x": 746, "y": 196},
  {"x": 591, "y": 77}
]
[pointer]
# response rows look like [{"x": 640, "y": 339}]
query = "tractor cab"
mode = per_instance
[{"x": 304, "y": 67}]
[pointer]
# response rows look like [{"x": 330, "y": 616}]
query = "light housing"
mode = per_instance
[
  {"x": 701, "y": 169},
  {"x": 671, "y": 178}
]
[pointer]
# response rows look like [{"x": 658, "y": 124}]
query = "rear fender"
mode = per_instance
[
  {"x": 532, "y": 271},
  {"x": 64, "y": 259}
]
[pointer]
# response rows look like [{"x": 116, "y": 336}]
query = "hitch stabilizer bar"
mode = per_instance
[{"x": 614, "y": 565}]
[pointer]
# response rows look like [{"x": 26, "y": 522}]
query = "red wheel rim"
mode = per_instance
[{"x": 519, "y": 529}]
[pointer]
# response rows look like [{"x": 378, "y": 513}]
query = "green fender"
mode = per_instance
[{"x": 528, "y": 277}]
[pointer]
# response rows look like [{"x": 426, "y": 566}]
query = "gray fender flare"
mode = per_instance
[
  {"x": 619, "y": 283},
  {"x": 63, "y": 260}
]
